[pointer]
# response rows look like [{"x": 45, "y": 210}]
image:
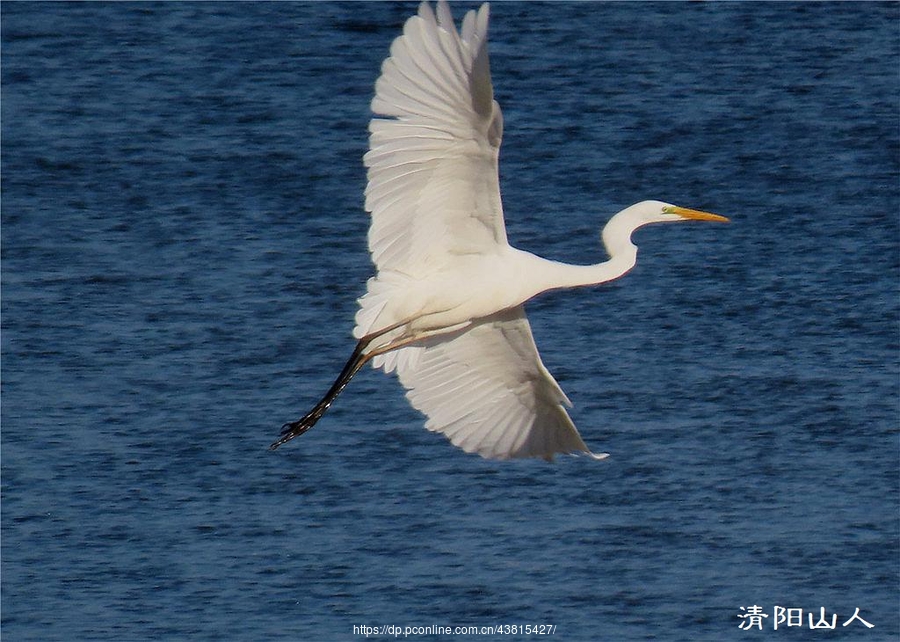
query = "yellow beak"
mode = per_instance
[{"x": 697, "y": 215}]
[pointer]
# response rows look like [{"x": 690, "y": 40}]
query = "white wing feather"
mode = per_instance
[
  {"x": 487, "y": 390},
  {"x": 433, "y": 190},
  {"x": 433, "y": 193}
]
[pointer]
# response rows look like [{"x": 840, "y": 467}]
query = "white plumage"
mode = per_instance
[
  {"x": 445, "y": 306},
  {"x": 433, "y": 146},
  {"x": 486, "y": 389},
  {"x": 434, "y": 195}
]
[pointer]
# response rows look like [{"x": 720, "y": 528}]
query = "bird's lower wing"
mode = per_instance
[{"x": 487, "y": 390}]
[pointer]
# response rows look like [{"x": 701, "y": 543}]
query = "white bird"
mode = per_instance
[{"x": 445, "y": 308}]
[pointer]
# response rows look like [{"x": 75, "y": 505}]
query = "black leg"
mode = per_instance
[
  {"x": 357, "y": 360},
  {"x": 297, "y": 428}
]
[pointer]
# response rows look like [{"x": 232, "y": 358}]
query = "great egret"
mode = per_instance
[{"x": 445, "y": 308}]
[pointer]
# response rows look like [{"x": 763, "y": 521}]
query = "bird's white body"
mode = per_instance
[
  {"x": 445, "y": 308},
  {"x": 471, "y": 287}
]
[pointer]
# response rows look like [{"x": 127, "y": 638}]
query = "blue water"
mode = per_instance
[{"x": 183, "y": 241}]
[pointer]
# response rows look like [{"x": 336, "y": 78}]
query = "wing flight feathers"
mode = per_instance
[
  {"x": 487, "y": 390},
  {"x": 434, "y": 196},
  {"x": 433, "y": 190}
]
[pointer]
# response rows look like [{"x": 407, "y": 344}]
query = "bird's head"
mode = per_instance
[
  {"x": 617, "y": 233},
  {"x": 658, "y": 212}
]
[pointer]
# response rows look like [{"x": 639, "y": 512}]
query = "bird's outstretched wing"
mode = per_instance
[
  {"x": 487, "y": 390},
  {"x": 433, "y": 190}
]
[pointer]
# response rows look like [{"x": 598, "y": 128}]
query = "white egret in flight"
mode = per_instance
[{"x": 445, "y": 307}]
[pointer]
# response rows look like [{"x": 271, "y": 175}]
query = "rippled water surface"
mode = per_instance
[{"x": 183, "y": 242}]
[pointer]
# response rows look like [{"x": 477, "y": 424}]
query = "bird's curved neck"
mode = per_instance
[
  {"x": 617, "y": 238},
  {"x": 622, "y": 257},
  {"x": 562, "y": 275}
]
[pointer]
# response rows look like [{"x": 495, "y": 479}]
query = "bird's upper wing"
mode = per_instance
[
  {"x": 487, "y": 390},
  {"x": 433, "y": 190}
]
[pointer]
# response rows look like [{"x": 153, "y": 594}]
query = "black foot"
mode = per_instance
[{"x": 296, "y": 428}]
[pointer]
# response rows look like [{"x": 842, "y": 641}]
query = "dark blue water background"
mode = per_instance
[{"x": 183, "y": 242}]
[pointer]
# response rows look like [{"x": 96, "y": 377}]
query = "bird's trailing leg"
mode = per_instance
[
  {"x": 357, "y": 360},
  {"x": 297, "y": 428}
]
